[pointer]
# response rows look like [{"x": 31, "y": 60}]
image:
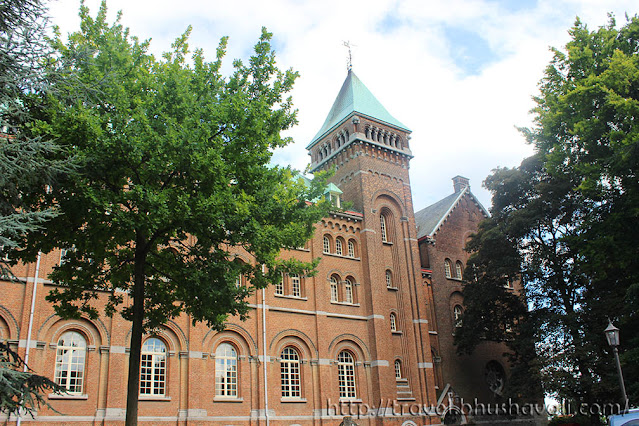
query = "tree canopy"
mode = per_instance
[
  {"x": 174, "y": 179},
  {"x": 564, "y": 223},
  {"x": 26, "y": 161}
]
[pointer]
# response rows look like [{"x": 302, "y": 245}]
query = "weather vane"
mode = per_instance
[{"x": 350, "y": 56}]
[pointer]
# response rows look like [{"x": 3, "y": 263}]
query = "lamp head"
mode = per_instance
[{"x": 612, "y": 334}]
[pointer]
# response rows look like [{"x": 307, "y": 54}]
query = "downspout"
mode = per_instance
[
  {"x": 31, "y": 313},
  {"x": 264, "y": 353}
]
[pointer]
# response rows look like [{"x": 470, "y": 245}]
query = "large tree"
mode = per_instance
[
  {"x": 568, "y": 219},
  {"x": 175, "y": 178},
  {"x": 26, "y": 162}
]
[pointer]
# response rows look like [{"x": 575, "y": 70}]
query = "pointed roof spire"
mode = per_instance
[{"x": 354, "y": 97}]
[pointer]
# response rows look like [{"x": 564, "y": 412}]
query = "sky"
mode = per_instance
[{"x": 460, "y": 74}]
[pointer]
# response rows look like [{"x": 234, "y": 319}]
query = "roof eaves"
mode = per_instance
[
  {"x": 448, "y": 212},
  {"x": 319, "y": 137}
]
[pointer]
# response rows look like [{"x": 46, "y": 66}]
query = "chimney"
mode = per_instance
[{"x": 459, "y": 183}]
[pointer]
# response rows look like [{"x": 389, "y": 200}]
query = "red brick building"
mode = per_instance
[
  {"x": 443, "y": 230},
  {"x": 370, "y": 334}
]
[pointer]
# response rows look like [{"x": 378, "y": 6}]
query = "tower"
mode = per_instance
[{"x": 369, "y": 152}]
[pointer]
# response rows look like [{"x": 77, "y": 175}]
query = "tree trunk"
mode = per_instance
[{"x": 133, "y": 383}]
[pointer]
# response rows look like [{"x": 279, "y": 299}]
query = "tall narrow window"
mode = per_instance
[
  {"x": 398, "y": 369},
  {"x": 290, "y": 374},
  {"x": 348, "y": 291},
  {"x": 327, "y": 245},
  {"x": 389, "y": 278},
  {"x": 153, "y": 368},
  {"x": 69, "y": 362},
  {"x": 351, "y": 248},
  {"x": 238, "y": 281},
  {"x": 226, "y": 371},
  {"x": 346, "y": 375},
  {"x": 339, "y": 247},
  {"x": 334, "y": 293},
  {"x": 63, "y": 256},
  {"x": 457, "y": 315},
  {"x": 458, "y": 270},
  {"x": 382, "y": 224},
  {"x": 296, "y": 288},
  {"x": 279, "y": 287},
  {"x": 393, "y": 322},
  {"x": 448, "y": 268}
]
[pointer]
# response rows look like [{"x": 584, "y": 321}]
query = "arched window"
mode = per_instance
[
  {"x": 348, "y": 291},
  {"x": 448, "y": 268},
  {"x": 290, "y": 374},
  {"x": 70, "y": 362},
  {"x": 346, "y": 375},
  {"x": 153, "y": 367},
  {"x": 334, "y": 290},
  {"x": 393, "y": 321},
  {"x": 398, "y": 369},
  {"x": 226, "y": 371},
  {"x": 339, "y": 247},
  {"x": 495, "y": 377},
  {"x": 389, "y": 278},
  {"x": 351, "y": 248},
  {"x": 327, "y": 245},
  {"x": 296, "y": 287},
  {"x": 457, "y": 315},
  {"x": 382, "y": 225},
  {"x": 458, "y": 270}
]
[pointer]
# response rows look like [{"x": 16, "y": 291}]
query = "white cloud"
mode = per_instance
[{"x": 462, "y": 124}]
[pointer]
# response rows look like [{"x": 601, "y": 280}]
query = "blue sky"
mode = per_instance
[{"x": 459, "y": 73}]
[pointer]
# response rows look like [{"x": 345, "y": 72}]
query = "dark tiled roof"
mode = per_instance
[{"x": 428, "y": 218}]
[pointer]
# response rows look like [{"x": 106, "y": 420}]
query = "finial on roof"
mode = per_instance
[{"x": 348, "y": 45}]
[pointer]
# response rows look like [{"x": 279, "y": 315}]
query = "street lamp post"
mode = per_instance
[{"x": 612, "y": 335}]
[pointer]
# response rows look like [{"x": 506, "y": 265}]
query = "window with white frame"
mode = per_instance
[
  {"x": 448, "y": 268},
  {"x": 339, "y": 247},
  {"x": 382, "y": 225},
  {"x": 334, "y": 289},
  {"x": 393, "y": 321},
  {"x": 346, "y": 375},
  {"x": 226, "y": 371},
  {"x": 70, "y": 362},
  {"x": 348, "y": 291},
  {"x": 398, "y": 369},
  {"x": 458, "y": 270},
  {"x": 327, "y": 245},
  {"x": 279, "y": 287},
  {"x": 351, "y": 248},
  {"x": 296, "y": 287},
  {"x": 153, "y": 367},
  {"x": 63, "y": 255},
  {"x": 389, "y": 278},
  {"x": 457, "y": 315},
  {"x": 290, "y": 373}
]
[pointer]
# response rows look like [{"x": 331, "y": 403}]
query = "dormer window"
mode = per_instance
[{"x": 333, "y": 195}]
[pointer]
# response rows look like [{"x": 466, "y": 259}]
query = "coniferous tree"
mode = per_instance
[
  {"x": 26, "y": 163},
  {"x": 26, "y": 166}
]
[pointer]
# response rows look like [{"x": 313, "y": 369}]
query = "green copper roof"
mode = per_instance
[
  {"x": 355, "y": 97},
  {"x": 333, "y": 188}
]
